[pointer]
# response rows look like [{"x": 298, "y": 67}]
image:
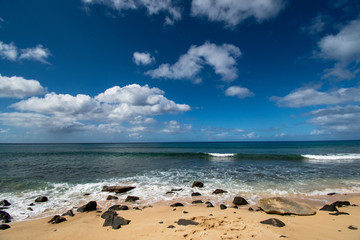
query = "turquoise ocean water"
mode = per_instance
[{"x": 65, "y": 172}]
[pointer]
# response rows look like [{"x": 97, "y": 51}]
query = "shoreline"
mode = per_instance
[{"x": 214, "y": 223}]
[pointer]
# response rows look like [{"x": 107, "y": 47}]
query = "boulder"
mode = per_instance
[
  {"x": 117, "y": 189},
  {"x": 113, "y": 220},
  {"x": 197, "y": 201},
  {"x": 41, "y": 199},
  {"x": 329, "y": 207},
  {"x": 4, "y": 226},
  {"x": 197, "y": 184},
  {"x": 5, "y": 203},
  {"x": 177, "y": 205},
  {"x": 239, "y": 201},
  {"x": 111, "y": 197},
  {"x": 285, "y": 206},
  {"x": 185, "y": 222},
  {"x": 273, "y": 222},
  {"x": 223, "y": 206},
  {"x": 5, "y": 217},
  {"x": 195, "y": 194},
  {"x": 341, "y": 203},
  {"x": 68, "y": 213},
  {"x": 209, "y": 204},
  {"x": 57, "y": 219},
  {"x": 118, "y": 208},
  {"x": 219, "y": 191},
  {"x": 131, "y": 198},
  {"x": 90, "y": 206}
]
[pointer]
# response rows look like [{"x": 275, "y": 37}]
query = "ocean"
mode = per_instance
[{"x": 65, "y": 173}]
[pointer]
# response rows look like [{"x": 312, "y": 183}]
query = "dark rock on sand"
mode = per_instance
[
  {"x": 171, "y": 226},
  {"x": 219, "y": 191},
  {"x": 57, "y": 219},
  {"x": 185, "y": 212},
  {"x": 223, "y": 207},
  {"x": 285, "y": 206},
  {"x": 209, "y": 204},
  {"x": 332, "y": 193},
  {"x": 42, "y": 199},
  {"x": 117, "y": 189},
  {"x": 197, "y": 202},
  {"x": 341, "y": 203},
  {"x": 4, "y": 226},
  {"x": 239, "y": 201},
  {"x": 195, "y": 194},
  {"x": 273, "y": 222},
  {"x": 112, "y": 197},
  {"x": 5, "y": 217},
  {"x": 118, "y": 208},
  {"x": 169, "y": 192},
  {"x": 351, "y": 227},
  {"x": 251, "y": 209},
  {"x": 30, "y": 209},
  {"x": 329, "y": 207},
  {"x": 5, "y": 203},
  {"x": 32, "y": 204},
  {"x": 197, "y": 184},
  {"x": 68, "y": 213},
  {"x": 339, "y": 213},
  {"x": 90, "y": 206},
  {"x": 176, "y": 189},
  {"x": 177, "y": 205},
  {"x": 185, "y": 222},
  {"x": 131, "y": 198},
  {"x": 113, "y": 220}
]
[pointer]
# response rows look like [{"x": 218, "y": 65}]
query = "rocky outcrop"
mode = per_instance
[
  {"x": 219, "y": 191},
  {"x": 117, "y": 189},
  {"x": 239, "y": 201},
  {"x": 90, "y": 206},
  {"x": 285, "y": 206},
  {"x": 273, "y": 222},
  {"x": 41, "y": 199},
  {"x": 198, "y": 184}
]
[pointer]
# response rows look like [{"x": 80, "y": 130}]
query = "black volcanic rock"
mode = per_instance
[
  {"x": 41, "y": 199},
  {"x": 131, "y": 198},
  {"x": 90, "y": 206},
  {"x": 5, "y": 217},
  {"x": 185, "y": 222},
  {"x": 5, "y": 203},
  {"x": 111, "y": 197},
  {"x": 68, "y": 213},
  {"x": 4, "y": 226},
  {"x": 197, "y": 201},
  {"x": 239, "y": 201},
  {"x": 195, "y": 194},
  {"x": 341, "y": 203},
  {"x": 198, "y": 184},
  {"x": 329, "y": 207},
  {"x": 57, "y": 219},
  {"x": 177, "y": 205},
  {"x": 118, "y": 208},
  {"x": 223, "y": 207}
]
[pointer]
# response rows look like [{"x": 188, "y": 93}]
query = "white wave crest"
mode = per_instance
[
  {"x": 332, "y": 157},
  {"x": 220, "y": 155}
]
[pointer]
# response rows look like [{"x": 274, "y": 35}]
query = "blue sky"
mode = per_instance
[{"x": 199, "y": 70}]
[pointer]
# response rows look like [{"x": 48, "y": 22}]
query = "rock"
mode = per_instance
[
  {"x": 5, "y": 203},
  {"x": 5, "y": 217},
  {"x": 239, "y": 201},
  {"x": 169, "y": 192},
  {"x": 197, "y": 202},
  {"x": 32, "y": 204},
  {"x": 111, "y": 197},
  {"x": 108, "y": 214},
  {"x": 185, "y": 212},
  {"x": 332, "y": 193},
  {"x": 4, "y": 226},
  {"x": 354, "y": 205},
  {"x": 341, "y": 203},
  {"x": 131, "y": 198},
  {"x": 251, "y": 209},
  {"x": 339, "y": 213},
  {"x": 68, "y": 213},
  {"x": 161, "y": 222},
  {"x": 273, "y": 222},
  {"x": 285, "y": 206},
  {"x": 42, "y": 199},
  {"x": 30, "y": 209},
  {"x": 90, "y": 206},
  {"x": 118, "y": 208},
  {"x": 223, "y": 207},
  {"x": 113, "y": 220},
  {"x": 117, "y": 189},
  {"x": 176, "y": 189},
  {"x": 195, "y": 194},
  {"x": 136, "y": 208},
  {"x": 185, "y": 222},
  {"x": 86, "y": 194},
  {"x": 329, "y": 207},
  {"x": 171, "y": 226},
  {"x": 197, "y": 184},
  {"x": 219, "y": 191},
  {"x": 177, "y": 205},
  {"x": 209, "y": 204},
  {"x": 57, "y": 219},
  {"x": 351, "y": 227}
]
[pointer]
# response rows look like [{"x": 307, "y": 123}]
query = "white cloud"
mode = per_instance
[
  {"x": 131, "y": 104},
  {"x": 233, "y": 12},
  {"x": 239, "y": 92},
  {"x": 153, "y": 7},
  {"x": 143, "y": 58},
  {"x": 344, "y": 48},
  {"x": 38, "y": 53},
  {"x": 303, "y": 97},
  {"x": 317, "y": 132},
  {"x": 279, "y": 135},
  {"x": 175, "y": 127},
  {"x": 340, "y": 119},
  {"x": 221, "y": 58},
  {"x": 317, "y": 25},
  {"x": 18, "y": 87},
  {"x": 8, "y": 51},
  {"x": 11, "y": 52}
]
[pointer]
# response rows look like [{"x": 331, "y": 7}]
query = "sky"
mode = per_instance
[{"x": 172, "y": 70}]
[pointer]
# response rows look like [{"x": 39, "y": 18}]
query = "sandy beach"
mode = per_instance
[{"x": 231, "y": 223}]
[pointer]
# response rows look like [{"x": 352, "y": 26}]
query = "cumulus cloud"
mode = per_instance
[
  {"x": 233, "y": 12},
  {"x": 340, "y": 119},
  {"x": 11, "y": 52},
  {"x": 239, "y": 92},
  {"x": 131, "y": 104},
  {"x": 143, "y": 58},
  {"x": 175, "y": 127},
  {"x": 38, "y": 53},
  {"x": 308, "y": 96},
  {"x": 344, "y": 49},
  {"x": 19, "y": 87},
  {"x": 153, "y": 7},
  {"x": 222, "y": 58}
]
